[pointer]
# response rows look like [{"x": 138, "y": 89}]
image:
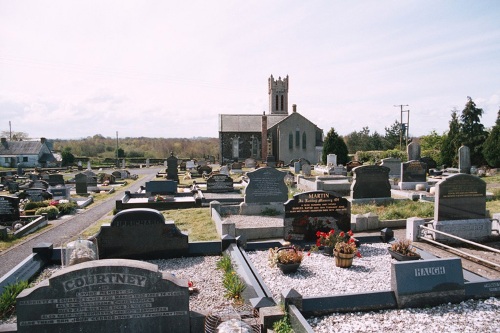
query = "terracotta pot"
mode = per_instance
[
  {"x": 343, "y": 260},
  {"x": 400, "y": 257}
]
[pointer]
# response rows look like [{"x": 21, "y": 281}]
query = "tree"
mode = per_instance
[
  {"x": 451, "y": 142},
  {"x": 472, "y": 132},
  {"x": 491, "y": 147},
  {"x": 334, "y": 144},
  {"x": 431, "y": 146},
  {"x": 67, "y": 157},
  {"x": 392, "y": 136},
  {"x": 14, "y": 136}
]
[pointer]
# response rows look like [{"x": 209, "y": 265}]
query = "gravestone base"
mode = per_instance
[
  {"x": 410, "y": 185},
  {"x": 430, "y": 299},
  {"x": 471, "y": 229},
  {"x": 258, "y": 208}
]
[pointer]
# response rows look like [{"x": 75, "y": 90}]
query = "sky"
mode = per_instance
[{"x": 73, "y": 69}]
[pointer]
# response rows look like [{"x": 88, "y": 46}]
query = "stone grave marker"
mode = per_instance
[
  {"x": 331, "y": 159},
  {"x": 106, "y": 296},
  {"x": 464, "y": 163},
  {"x": 60, "y": 192},
  {"x": 56, "y": 179},
  {"x": 36, "y": 194},
  {"x": 266, "y": 185},
  {"x": 220, "y": 183},
  {"x": 41, "y": 184},
  {"x": 237, "y": 167},
  {"x": 394, "y": 165},
  {"x": 147, "y": 163},
  {"x": 420, "y": 283},
  {"x": 370, "y": 181},
  {"x": 271, "y": 161},
  {"x": 117, "y": 174},
  {"x": 79, "y": 166},
  {"x": 224, "y": 170},
  {"x": 13, "y": 187},
  {"x": 141, "y": 233},
  {"x": 314, "y": 211},
  {"x": 460, "y": 208},
  {"x": 190, "y": 165},
  {"x": 205, "y": 169},
  {"x": 9, "y": 208},
  {"x": 413, "y": 151},
  {"x": 172, "y": 171},
  {"x": 81, "y": 183},
  {"x": 413, "y": 171},
  {"x": 429, "y": 162},
  {"x": 155, "y": 187},
  {"x": 306, "y": 170},
  {"x": 250, "y": 163}
]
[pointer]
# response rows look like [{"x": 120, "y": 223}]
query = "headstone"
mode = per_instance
[
  {"x": 338, "y": 170},
  {"x": 353, "y": 164},
  {"x": 88, "y": 166},
  {"x": 60, "y": 192},
  {"x": 370, "y": 181},
  {"x": 224, "y": 170},
  {"x": 117, "y": 174},
  {"x": 394, "y": 165},
  {"x": 13, "y": 187},
  {"x": 220, "y": 183},
  {"x": 35, "y": 194},
  {"x": 123, "y": 164},
  {"x": 9, "y": 208},
  {"x": 20, "y": 170},
  {"x": 413, "y": 171},
  {"x": 306, "y": 170},
  {"x": 155, "y": 187},
  {"x": 266, "y": 185},
  {"x": 79, "y": 166},
  {"x": 429, "y": 162},
  {"x": 190, "y": 165},
  {"x": 205, "y": 169},
  {"x": 106, "y": 296},
  {"x": 172, "y": 171},
  {"x": 296, "y": 167},
  {"x": 56, "y": 179},
  {"x": 141, "y": 233},
  {"x": 147, "y": 163},
  {"x": 421, "y": 283},
  {"x": 310, "y": 212},
  {"x": 250, "y": 163},
  {"x": 331, "y": 159},
  {"x": 81, "y": 183},
  {"x": 271, "y": 161},
  {"x": 41, "y": 184},
  {"x": 464, "y": 163},
  {"x": 460, "y": 208},
  {"x": 413, "y": 151}
]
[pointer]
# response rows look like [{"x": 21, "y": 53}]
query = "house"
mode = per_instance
[
  {"x": 26, "y": 154},
  {"x": 279, "y": 134}
]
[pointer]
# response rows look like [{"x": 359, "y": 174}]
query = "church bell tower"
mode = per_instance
[{"x": 278, "y": 95}]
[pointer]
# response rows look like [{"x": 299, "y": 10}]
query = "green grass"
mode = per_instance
[
  {"x": 197, "y": 222},
  {"x": 399, "y": 209}
]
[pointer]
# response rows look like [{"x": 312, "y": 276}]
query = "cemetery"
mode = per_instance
[{"x": 141, "y": 273}]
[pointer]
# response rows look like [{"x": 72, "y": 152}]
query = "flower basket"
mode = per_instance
[
  {"x": 402, "y": 250},
  {"x": 401, "y": 257},
  {"x": 344, "y": 260},
  {"x": 288, "y": 259}
]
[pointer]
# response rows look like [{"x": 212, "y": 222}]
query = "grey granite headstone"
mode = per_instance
[
  {"x": 224, "y": 170},
  {"x": 413, "y": 150},
  {"x": 9, "y": 208},
  {"x": 266, "y": 185},
  {"x": 394, "y": 165},
  {"x": 464, "y": 163},
  {"x": 106, "y": 296},
  {"x": 155, "y": 187},
  {"x": 314, "y": 211},
  {"x": 306, "y": 170},
  {"x": 141, "y": 233},
  {"x": 220, "y": 183},
  {"x": 423, "y": 283},
  {"x": 370, "y": 181},
  {"x": 250, "y": 163},
  {"x": 60, "y": 192}
]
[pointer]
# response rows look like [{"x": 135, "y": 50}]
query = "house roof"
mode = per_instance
[
  {"x": 246, "y": 122},
  {"x": 20, "y": 147}
]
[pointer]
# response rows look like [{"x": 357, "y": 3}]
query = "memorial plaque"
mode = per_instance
[
  {"x": 427, "y": 282},
  {"x": 106, "y": 296},
  {"x": 460, "y": 197},
  {"x": 155, "y": 187},
  {"x": 220, "y": 183},
  {"x": 140, "y": 233},
  {"x": 9, "y": 208},
  {"x": 413, "y": 172},
  {"x": 370, "y": 181},
  {"x": 310, "y": 212},
  {"x": 266, "y": 185}
]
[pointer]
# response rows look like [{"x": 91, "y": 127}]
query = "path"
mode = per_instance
[{"x": 68, "y": 227}]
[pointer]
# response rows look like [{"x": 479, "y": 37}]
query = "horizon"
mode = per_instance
[{"x": 167, "y": 70}]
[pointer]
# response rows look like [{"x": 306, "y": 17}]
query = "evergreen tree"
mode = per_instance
[
  {"x": 472, "y": 133},
  {"x": 451, "y": 142},
  {"x": 491, "y": 147},
  {"x": 392, "y": 136},
  {"x": 334, "y": 144},
  {"x": 67, "y": 157}
]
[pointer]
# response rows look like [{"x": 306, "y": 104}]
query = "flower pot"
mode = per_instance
[
  {"x": 343, "y": 260},
  {"x": 400, "y": 257},
  {"x": 288, "y": 268},
  {"x": 328, "y": 250}
]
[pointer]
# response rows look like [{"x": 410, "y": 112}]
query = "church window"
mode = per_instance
[
  {"x": 297, "y": 137},
  {"x": 277, "y": 103},
  {"x": 304, "y": 140},
  {"x": 255, "y": 146},
  {"x": 282, "y": 102},
  {"x": 290, "y": 140},
  {"x": 236, "y": 147}
]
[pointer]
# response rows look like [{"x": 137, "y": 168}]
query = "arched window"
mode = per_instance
[
  {"x": 297, "y": 137},
  {"x": 277, "y": 103},
  {"x": 290, "y": 140},
  {"x": 255, "y": 147},
  {"x": 282, "y": 102},
  {"x": 304, "y": 140}
]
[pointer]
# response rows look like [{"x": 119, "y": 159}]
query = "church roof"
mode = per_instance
[{"x": 246, "y": 122}]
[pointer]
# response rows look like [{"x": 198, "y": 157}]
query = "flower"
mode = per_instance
[
  {"x": 331, "y": 238},
  {"x": 347, "y": 247},
  {"x": 404, "y": 247},
  {"x": 285, "y": 255}
]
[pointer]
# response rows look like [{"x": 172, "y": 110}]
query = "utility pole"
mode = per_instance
[
  {"x": 117, "y": 160},
  {"x": 405, "y": 126}
]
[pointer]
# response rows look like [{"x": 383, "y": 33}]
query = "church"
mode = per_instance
[{"x": 277, "y": 135}]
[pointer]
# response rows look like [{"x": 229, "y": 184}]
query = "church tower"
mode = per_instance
[{"x": 278, "y": 95}]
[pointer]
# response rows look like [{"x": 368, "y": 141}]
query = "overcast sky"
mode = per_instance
[{"x": 72, "y": 69}]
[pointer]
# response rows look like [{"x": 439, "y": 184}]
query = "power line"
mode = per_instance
[{"x": 404, "y": 126}]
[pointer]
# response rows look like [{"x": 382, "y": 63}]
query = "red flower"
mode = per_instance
[
  {"x": 190, "y": 284},
  {"x": 351, "y": 240},
  {"x": 350, "y": 233},
  {"x": 342, "y": 234},
  {"x": 318, "y": 233},
  {"x": 358, "y": 254}
]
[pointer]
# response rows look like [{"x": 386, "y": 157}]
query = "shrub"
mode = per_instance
[
  {"x": 67, "y": 207},
  {"x": 8, "y": 298},
  {"x": 35, "y": 205},
  {"x": 51, "y": 212}
]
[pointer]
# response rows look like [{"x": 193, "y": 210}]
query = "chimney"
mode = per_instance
[
  {"x": 42, "y": 140},
  {"x": 294, "y": 108},
  {"x": 264, "y": 136},
  {"x": 4, "y": 142}
]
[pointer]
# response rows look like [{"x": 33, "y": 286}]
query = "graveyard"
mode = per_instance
[{"x": 140, "y": 272}]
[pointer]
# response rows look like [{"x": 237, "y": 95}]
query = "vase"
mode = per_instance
[
  {"x": 288, "y": 268},
  {"x": 328, "y": 250},
  {"x": 344, "y": 260},
  {"x": 401, "y": 257}
]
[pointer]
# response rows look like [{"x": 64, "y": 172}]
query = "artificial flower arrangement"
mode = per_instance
[
  {"x": 331, "y": 238},
  {"x": 404, "y": 247},
  {"x": 285, "y": 255},
  {"x": 348, "y": 247}
]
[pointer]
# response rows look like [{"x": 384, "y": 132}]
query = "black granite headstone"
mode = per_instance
[
  {"x": 81, "y": 183},
  {"x": 106, "y": 296},
  {"x": 140, "y": 233},
  {"x": 220, "y": 183},
  {"x": 371, "y": 181},
  {"x": 56, "y": 179},
  {"x": 413, "y": 171},
  {"x": 172, "y": 164},
  {"x": 155, "y": 187},
  {"x": 9, "y": 208}
]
